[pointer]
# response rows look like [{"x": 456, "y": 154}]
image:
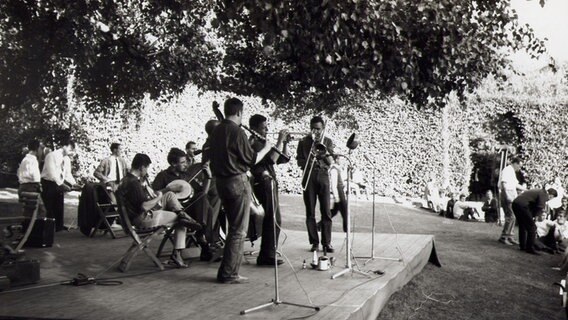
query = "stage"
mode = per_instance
[{"x": 193, "y": 293}]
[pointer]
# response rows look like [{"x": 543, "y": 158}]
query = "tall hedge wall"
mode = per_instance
[{"x": 407, "y": 146}]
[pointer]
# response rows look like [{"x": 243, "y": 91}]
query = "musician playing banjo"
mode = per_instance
[
  {"x": 231, "y": 157},
  {"x": 315, "y": 182},
  {"x": 178, "y": 171},
  {"x": 148, "y": 208},
  {"x": 265, "y": 187}
]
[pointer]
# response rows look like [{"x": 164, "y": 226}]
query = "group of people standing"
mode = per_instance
[
  {"x": 233, "y": 167},
  {"x": 49, "y": 173}
]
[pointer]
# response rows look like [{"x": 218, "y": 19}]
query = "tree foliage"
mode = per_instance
[
  {"x": 318, "y": 50},
  {"x": 117, "y": 51}
]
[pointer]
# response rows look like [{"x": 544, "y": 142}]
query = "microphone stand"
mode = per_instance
[
  {"x": 349, "y": 250},
  {"x": 276, "y": 301},
  {"x": 372, "y": 256}
]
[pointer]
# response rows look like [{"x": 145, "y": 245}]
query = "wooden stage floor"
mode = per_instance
[{"x": 193, "y": 293}]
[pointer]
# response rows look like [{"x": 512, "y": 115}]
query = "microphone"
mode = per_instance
[{"x": 197, "y": 152}]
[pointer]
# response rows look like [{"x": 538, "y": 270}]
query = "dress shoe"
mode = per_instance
[
  {"x": 315, "y": 247},
  {"x": 234, "y": 280},
  {"x": 328, "y": 249},
  {"x": 206, "y": 254},
  {"x": 505, "y": 241},
  {"x": 261, "y": 261},
  {"x": 513, "y": 241}
]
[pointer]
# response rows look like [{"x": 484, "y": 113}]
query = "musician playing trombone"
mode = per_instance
[
  {"x": 265, "y": 187},
  {"x": 314, "y": 156}
]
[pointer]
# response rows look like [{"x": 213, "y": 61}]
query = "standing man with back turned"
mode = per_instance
[{"x": 231, "y": 157}]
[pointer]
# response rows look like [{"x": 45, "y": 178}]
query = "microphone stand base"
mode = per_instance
[
  {"x": 369, "y": 259},
  {"x": 346, "y": 270},
  {"x": 276, "y": 303}
]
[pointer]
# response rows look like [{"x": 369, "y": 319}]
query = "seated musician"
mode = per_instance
[
  {"x": 178, "y": 171},
  {"x": 148, "y": 208}
]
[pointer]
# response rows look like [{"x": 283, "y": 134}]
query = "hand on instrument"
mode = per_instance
[
  {"x": 283, "y": 135},
  {"x": 207, "y": 170},
  {"x": 174, "y": 188}
]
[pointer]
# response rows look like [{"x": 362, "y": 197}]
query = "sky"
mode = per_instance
[{"x": 549, "y": 22}]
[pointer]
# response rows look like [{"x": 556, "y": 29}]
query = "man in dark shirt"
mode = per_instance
[
  {"x": 178, "y": 170},
  {"x": 147, "y": 208},
  {"x": 315, "y": 183},
  {"x": 231, "y": 157},
  {"x": 526, "y": 207},
  {"x": 265, "y": 187}
]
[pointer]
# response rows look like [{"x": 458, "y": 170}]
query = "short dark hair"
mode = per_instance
[
  {"x": 552, "y": 192},
  {"x": 114, "y": 146},
  {"x": 174, "y": 155},
  {"x": 140, "y": 160},
  {"x": 210, "y": 126},
  {"x": 67, "y": 142},
  {"x": 189, "y": 144},
  {"x": 233, "y": 106},
  {"x": 256, "y": 120},
  {"x": 33, "y": 145},
  {"x": 516, "y": 160},
  {"x": 317, "y": 119}
]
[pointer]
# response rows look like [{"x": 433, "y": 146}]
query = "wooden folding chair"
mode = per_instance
[
  {"x": 140, "y": 237},
  {"x": 105, "y": 209}
]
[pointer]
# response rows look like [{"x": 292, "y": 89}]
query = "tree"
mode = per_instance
[
  {"x": 318, "y": 51},
  {"x": 117, "y": 51},
  {"x": 110, "y": 54}
]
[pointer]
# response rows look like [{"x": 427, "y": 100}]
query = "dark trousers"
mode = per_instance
[
  {"x": 547, "y": 242},
  {"x": 340, "y": 207},
  {"x": 214, "y": 217},
  {"x": 235, "y": 194},
  {"x": 318, "y": 189},
  {"x": 53, "y": 200},
  {"x": 268, "y": 197},
  {"x": 527, "y": 227}
]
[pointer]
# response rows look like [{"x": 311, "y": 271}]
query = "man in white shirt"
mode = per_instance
[
  {"x": 509, "y": 191},
  {"x": 113, "y": 168},
  {"x": 56, "y": 179},
  {"x": 28, "y": 172}
]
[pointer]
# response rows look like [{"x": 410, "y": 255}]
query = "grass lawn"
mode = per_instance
[{"x": 480, "y": 278}]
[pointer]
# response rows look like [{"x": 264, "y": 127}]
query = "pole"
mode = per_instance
[
  {"x": 372, "y": 256},
  {"x": 348, "y": 251},
  {"x": 276, "y": 301}
]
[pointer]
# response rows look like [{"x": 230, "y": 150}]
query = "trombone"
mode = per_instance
[{"x": 317, "y": 146}]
